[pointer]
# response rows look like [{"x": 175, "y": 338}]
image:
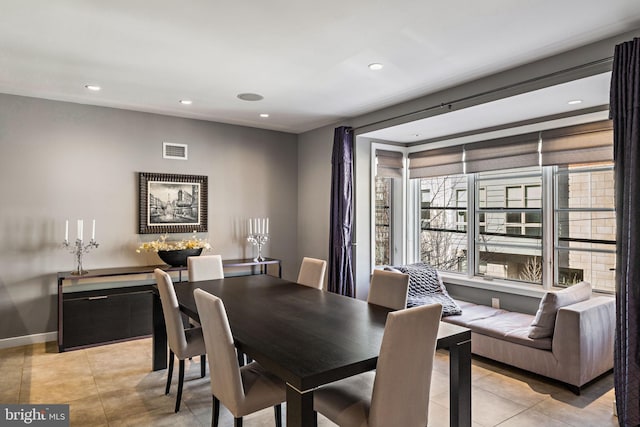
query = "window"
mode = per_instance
[
  {"x": 509, "y": 246},
  {"x": 383, "y": 221},
  {"x": 542, "y": 195},
  {"x": 443, "y": 236},
  {"x": 387, "y": 192},
  {"x": 586, "y": 225}
]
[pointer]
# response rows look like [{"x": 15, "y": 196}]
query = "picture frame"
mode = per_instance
[{"x": 172, "y": 203}]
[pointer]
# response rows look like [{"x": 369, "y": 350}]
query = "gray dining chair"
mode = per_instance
[
  {"x": 242, "y": 390},
  {"x": 397, "y": 392},
  {"x": 205, "y": 267},
  {"x": 389, "y": 289},
  {"x": 209, "y": 267},
  {"x": 312, "y": 272},
  {"x": 183, "y": 343}
]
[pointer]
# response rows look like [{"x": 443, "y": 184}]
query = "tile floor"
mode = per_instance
[{"x": 113, "y": 385}]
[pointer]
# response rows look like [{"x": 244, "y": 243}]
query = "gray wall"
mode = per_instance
[
  {"x": 314, "y": 192},
  {"x": 67, "y": 161}
]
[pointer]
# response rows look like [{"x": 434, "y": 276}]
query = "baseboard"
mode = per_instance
[{"x": 28, "y": 339}]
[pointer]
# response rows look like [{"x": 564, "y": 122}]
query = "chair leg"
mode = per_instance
[
  {"x": 203, "y": 365},
  {"x": 237, "y": 422},
  {"x": 215, "y": 413},
  {"x": 180, "y": 383},
  {"x": 170, "y": 372},
  {"x": 278, "y": 412}
]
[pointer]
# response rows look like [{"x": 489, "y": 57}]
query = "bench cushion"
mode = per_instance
[
  {"x": 471, "y": 312},
  {"x": 510, "y": 326}
]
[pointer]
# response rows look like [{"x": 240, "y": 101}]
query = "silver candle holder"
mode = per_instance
[
  {"x": 258, "y": 239},
  {"x": 258, "y": 234},
  {"x": 78, "y": 249}
]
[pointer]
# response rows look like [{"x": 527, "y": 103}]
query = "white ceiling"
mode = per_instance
[
  {"x": 592, "y": 91},
  {"x": 308, "y": 59}
]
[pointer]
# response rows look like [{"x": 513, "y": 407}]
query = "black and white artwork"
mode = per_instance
[{"x": 172, "y": 203}]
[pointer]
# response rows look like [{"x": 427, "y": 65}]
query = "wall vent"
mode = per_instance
[{"x": 174, "y": 151}]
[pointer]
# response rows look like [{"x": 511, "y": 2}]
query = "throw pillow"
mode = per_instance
[{"x": 545, "y": 321}]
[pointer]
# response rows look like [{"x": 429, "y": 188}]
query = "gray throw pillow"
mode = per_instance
[{"x": 545, "y": 321}]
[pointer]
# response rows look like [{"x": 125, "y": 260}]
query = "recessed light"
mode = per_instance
[
  {"x": 94, "y": 88},
  {"x": 264, "y": 115},
  {"x": 575, "y": 101},
  {"x": 250, "y": 96},
  {"x": 186, "y": 101},
  {"x": 375, "y": 66}
]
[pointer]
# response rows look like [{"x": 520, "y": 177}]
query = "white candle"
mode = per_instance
[
  {"x": 250, "y": 228},
  {"x": 66, "y": 231},
  {"x": 80, "y": 226},
  {"x": 267, "y": 231},
  {"x": 264, "y": 228},
  {"x": 93, "y": 230},
  {"x": 256, "y": 225}
]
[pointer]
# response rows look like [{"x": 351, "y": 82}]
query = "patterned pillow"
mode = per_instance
[{"x": 426, "y": 287}]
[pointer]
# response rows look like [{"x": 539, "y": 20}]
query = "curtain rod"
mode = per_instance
[{"x": 450, "y": 104}]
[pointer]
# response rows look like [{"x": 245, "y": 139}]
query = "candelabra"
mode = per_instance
[
  {"x": 258, "y": 239},
  {"x": 78, "y": 249}
]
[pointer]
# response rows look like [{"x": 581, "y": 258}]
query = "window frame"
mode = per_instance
[
  {"x": 548, "y": 244},
  {"x": 399, "y": 237}
]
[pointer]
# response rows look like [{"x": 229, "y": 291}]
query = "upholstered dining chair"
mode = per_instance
[
  {"x": 205, "y": 267},
  {"x": 389, "y": 289},
  {"x": 208, "y": 267},
  {"x": 397, "y": 392},
  {"x": 312, "y": 272},
  {"x": 242, "y": 390},
  {"x": 183, "y": 343}
]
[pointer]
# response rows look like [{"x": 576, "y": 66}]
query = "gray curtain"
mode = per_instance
[
  {"x": 624, "y": 110},
  {"x": 340, "y": 253}
]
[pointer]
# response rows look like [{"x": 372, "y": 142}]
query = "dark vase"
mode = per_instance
[{"x": 178, "y": 258}]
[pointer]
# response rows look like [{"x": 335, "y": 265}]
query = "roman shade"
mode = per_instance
[
  {"x": 438, "y": 162},
  {"x": 588, "y": 143},
  {"x": 516, "y": 151},
  {"x": 389, "y": 164}
]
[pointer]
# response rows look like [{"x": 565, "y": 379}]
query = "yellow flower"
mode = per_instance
[{"x": 161, "y": 244}]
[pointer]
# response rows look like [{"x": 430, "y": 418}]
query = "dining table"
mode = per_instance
[{"x": 309, "y": 337}]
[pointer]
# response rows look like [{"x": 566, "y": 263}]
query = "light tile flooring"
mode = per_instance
[{"x": 113, "y": 385}]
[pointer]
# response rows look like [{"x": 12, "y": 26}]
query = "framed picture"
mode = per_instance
[{"x": 172, "y": 203}]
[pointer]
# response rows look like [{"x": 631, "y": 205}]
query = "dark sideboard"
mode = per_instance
[{"x": 115, "y": 304}]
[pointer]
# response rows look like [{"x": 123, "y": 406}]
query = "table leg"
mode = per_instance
[
  {"x": 299, "y": 408},
  {"x": 159, "y": 357},
  {"x": 460, "y": 384}
]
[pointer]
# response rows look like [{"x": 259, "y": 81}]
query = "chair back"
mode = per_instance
[
  {"x": 403, "y": 374},
  {"x": 226, "y": 381},
  {"x": 389, "y": 289},
  {"x": 312, "y": 272},
  {"x": 171, "y": 311},
  {"x": 205, "y": 267}
]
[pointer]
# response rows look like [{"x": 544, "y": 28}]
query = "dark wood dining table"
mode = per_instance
[{"x": 309, "y": 337}]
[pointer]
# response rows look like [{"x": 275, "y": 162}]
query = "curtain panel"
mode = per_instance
[
  {"x": 625, "y": 112},
  {"x": 341, "y": 223}
]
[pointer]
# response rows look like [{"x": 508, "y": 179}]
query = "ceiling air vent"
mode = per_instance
[{"x": 174, "y": 151}]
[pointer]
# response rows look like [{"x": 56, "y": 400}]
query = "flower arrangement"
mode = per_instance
[{"x": 161, "y": 244}]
